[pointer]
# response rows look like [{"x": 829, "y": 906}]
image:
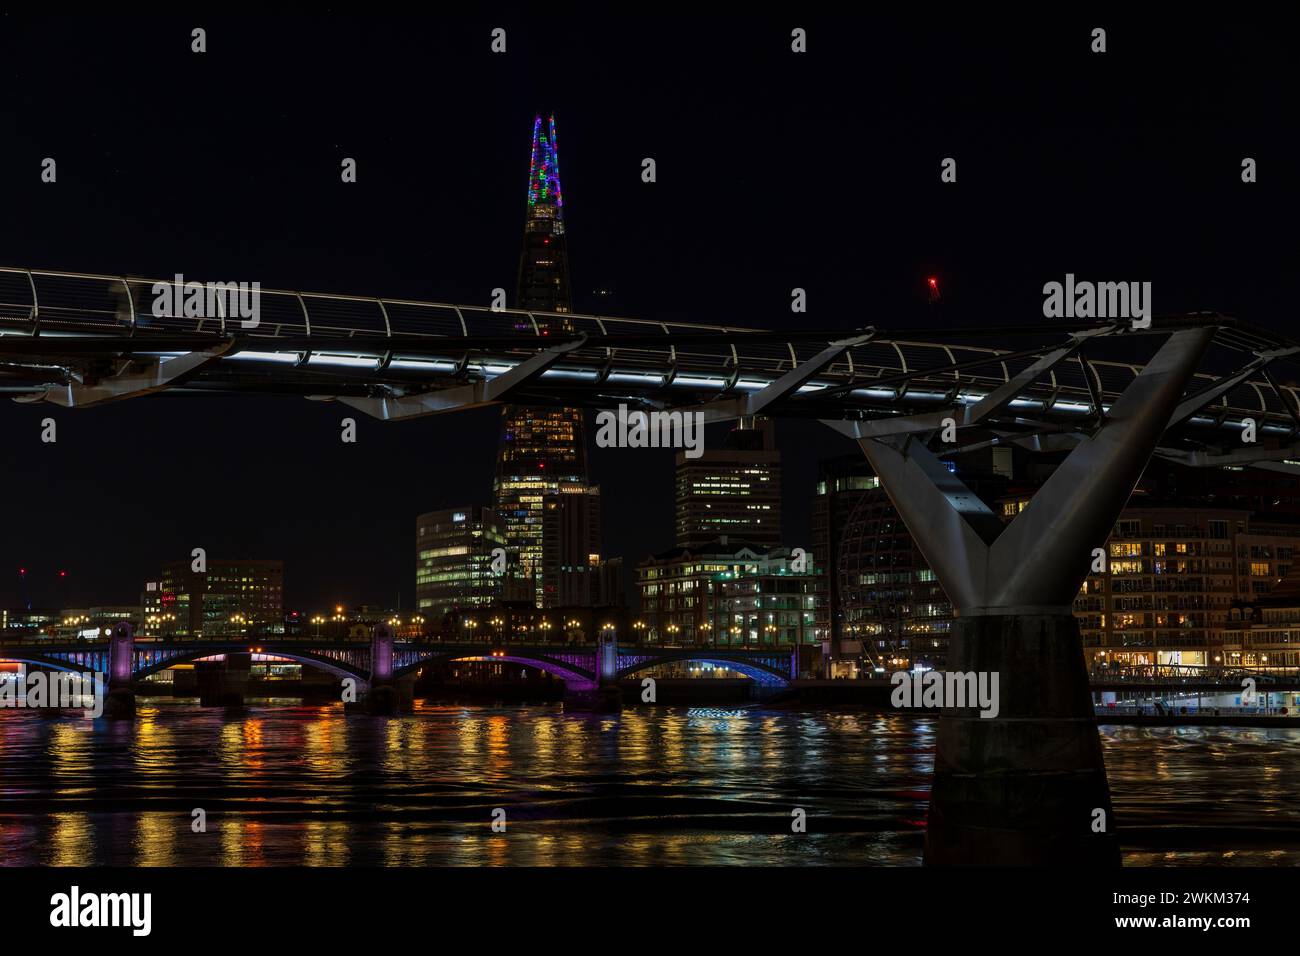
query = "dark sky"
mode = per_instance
[{"x": 775, "y": 170}]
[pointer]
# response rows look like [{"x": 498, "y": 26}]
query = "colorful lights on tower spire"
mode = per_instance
[{"x": 544, "y": 167}]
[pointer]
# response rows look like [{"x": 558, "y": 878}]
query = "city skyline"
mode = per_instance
[
  {"x": 553, "y": 457},
  {"x": 442, "y": 242},
  {"x": 733, "y": 491}
]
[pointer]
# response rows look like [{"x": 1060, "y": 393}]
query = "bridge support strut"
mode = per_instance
[{"x": 1028, "y": 786}]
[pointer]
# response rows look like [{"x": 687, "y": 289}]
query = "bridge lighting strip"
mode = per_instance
[
  {"x": 497, "y": 368},
  {"x": 440, "y": 365},
  {"x": 695, "y": 380},
  {"x": 346, "y": 361},
  {"x": 282, "y": 358}
]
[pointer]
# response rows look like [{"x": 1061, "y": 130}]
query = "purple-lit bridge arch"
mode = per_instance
[
  {"x": 55, "y": 662},
  {"x": 578, "y": 668},
  {"x": 765, "y": 668}
]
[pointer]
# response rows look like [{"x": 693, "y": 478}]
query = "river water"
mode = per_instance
[{"x": 281, "y": 783}]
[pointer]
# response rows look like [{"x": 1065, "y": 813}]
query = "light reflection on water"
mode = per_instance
[
  {"x": 1206, "y": 795},
  {"x": 291, "y": 784}
]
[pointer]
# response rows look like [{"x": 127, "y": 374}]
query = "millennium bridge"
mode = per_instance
[{"x": 1202, "y": 389}]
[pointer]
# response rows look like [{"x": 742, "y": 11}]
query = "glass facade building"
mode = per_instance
[{"x": 453, "y": 560}]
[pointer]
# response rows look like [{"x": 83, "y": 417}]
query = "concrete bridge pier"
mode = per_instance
[
  {"x": 120, "y": 702},
  {"x": 383, "y": 695},
  {"x": 1023, "y": 782},
  {"x": 405, "y": 689},
  {"x": 604, "y": 694},
  {"x": 224, "y": 683}
]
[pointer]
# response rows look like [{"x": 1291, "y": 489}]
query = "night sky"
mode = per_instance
[{"x": 775, "y": 170}]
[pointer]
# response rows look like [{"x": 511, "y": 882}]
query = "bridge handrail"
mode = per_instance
[
  {"x": 1184, "y": 672},
  {"x": 408, "y": 337}
]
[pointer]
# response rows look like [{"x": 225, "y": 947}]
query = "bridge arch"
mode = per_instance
[
  {"x": 761, "y": 672},
  {"x": 338, "y": 668},
  {"x": 575, "y": 676},
  {"x": 54, "y": 664}
]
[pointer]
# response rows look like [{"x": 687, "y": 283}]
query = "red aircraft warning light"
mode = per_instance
[{"x": 933, "y": 285}]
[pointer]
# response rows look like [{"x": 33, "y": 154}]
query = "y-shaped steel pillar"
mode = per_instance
[{"x": 1025, "y": 787}]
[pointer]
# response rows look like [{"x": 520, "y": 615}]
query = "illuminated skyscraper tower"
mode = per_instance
[
  {"x": 544, "y": 264},
  {"x": 542, "y": 449}
]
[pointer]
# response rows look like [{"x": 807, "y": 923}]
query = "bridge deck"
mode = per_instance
[
  {"x": 352, "y": 658},
  {"x": 78, "y": 338}
]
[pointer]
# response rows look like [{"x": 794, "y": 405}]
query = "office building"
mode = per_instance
[
  {"x": 454, "y": 551},
  {"x": 726, "y": 595},
  {"x": 732, "y": 493},
  {"x": 229, "y": 599}
]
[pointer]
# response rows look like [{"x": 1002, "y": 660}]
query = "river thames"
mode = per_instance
[{"x": 280, "y": 783}]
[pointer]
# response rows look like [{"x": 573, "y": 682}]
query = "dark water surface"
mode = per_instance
[{"x": 283, "y": 783}]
